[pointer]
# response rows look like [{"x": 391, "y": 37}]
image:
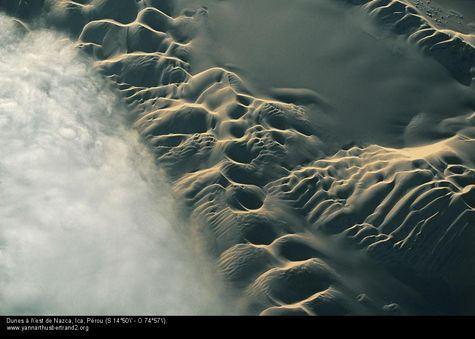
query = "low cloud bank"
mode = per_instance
[{"x": 86, "y": 226}]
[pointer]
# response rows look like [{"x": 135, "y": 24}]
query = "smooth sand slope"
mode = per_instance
[
  {"x": 323, "y": 150},
  {"x": 340, "y": 58}
]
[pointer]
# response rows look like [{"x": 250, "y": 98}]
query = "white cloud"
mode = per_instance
[{"x": 86, "y": 226}]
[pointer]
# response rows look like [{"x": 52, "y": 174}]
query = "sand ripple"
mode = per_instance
[{"x": 295, "y": 226}]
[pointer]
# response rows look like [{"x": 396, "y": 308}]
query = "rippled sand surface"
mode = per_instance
[{"x": 322, "y": 152}]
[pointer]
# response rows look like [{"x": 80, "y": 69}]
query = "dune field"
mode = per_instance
[{"x": 317, "y": 155}]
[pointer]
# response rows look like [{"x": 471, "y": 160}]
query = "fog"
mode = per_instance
[{"x": 86, "y": 224}]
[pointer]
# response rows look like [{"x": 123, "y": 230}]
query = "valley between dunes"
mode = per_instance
[{"x": 322, "y": 152}]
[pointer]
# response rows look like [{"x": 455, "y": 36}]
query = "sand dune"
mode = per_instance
[
  {"x": 86, "y": 225},
  {"x": 327, "y": 167}
]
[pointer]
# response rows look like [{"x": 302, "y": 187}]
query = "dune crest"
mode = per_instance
[{"x": 295, "y": 226}]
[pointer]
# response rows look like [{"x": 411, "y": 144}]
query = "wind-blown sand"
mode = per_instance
[{"x": 323, "y": 151}]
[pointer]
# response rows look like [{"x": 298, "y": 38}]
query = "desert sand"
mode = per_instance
[{"x": 322, "y": 152}]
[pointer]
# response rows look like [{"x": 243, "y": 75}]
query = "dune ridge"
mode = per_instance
[
  {"x": 293, "y": 226},
  {"x": 450, "y": 48}
]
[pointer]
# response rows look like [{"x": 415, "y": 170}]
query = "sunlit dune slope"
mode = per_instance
[{"x": 301, "y": 214}]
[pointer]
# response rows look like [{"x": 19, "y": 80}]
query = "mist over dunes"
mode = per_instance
[
  {"x": 87, "y": 227},
  {"x": 321, "y": 152}
]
